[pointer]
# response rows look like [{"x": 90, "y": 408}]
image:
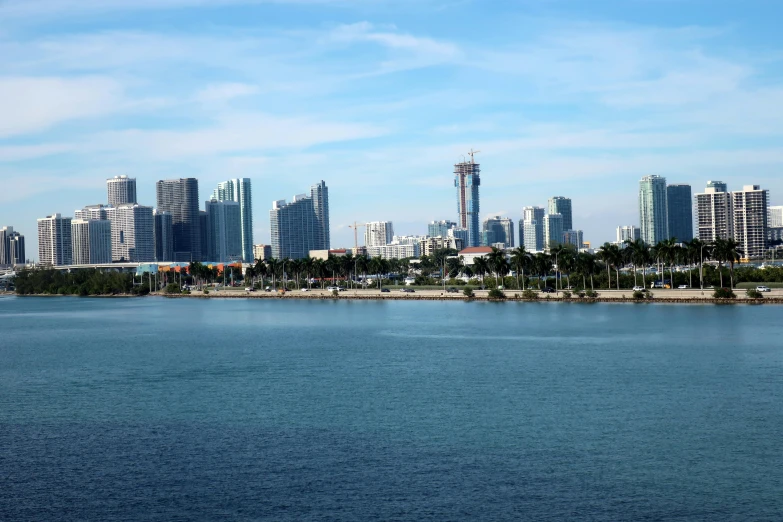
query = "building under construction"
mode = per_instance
[{"x": 467, "y": 180}]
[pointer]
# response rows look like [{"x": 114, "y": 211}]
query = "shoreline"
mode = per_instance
[{"x": 456, "y": 298}]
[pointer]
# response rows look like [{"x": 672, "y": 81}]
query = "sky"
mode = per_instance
[{"x": 380, "y": 98}]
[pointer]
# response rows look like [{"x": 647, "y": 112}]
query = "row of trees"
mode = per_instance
[{"x": 77, "y": 282}]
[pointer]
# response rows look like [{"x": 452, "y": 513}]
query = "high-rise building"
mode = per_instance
[
  {"x": 573, "y": 237},
  {"x": 54, "y": 240},
  {"x": 498, "y": 230},
  {"x": 628, "y": 233},
  {"x": 224, "y": 231},
  {"x": 203, "y": 220},
  {"x": 132, "y": 233},
  {"x": 775, "y": 218},
  {"x": 532, "y": 234},
  {"x": 680, "y": 212},
  {"x": 91, "y": 241},
  {"x": 458, "y": 233},
  {"x": 440, "y": 228},
  {"x": 91, "y": 212},
  {"x": 121, "y": 191},
  {"x": 378, "y": 233},
  {"x": 553, "y": 230},
  {"x": 240, "y": 190},
  {"x": 714, "y": 215},
  {"x": 467, "y": 180},
  {"x": 179, "y": 197},
  {"x": 6, "y": 235},
  {"x": 163, "y": 235},
  {"x": 653, "y": 211},
  {"x": 429, "y": 245},
  {"x": 262, "y": 252},
  {"x": 750, "y": 206},
  {"x": 562, "y": 206},
  {"x": 320, "y": 196},
  {"x": 16, "y": 250}
]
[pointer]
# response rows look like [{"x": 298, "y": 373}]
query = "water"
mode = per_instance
[{"x": 154, "y": 409}]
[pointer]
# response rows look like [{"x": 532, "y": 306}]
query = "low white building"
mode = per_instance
[{"x": 469, "y": 254}]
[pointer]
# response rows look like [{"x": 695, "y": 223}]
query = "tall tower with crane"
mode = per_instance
[{"x": 467, "y": 180}]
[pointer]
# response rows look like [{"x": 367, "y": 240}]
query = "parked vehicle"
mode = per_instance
[{"x": 763, "y": 288}]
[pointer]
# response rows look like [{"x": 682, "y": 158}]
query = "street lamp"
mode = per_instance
[{"x": 701, "y": 266}]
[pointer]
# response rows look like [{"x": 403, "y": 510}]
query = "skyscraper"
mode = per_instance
[
  {"x": 653, "y": 211},
  {"x": 179, "y": 197},
  {"x": 163, "y": 235},
  {"x": 467, "y": 179},
  {"x": 7, "y": 235},
  {"x": 121, "y": 190},
  {"x": 224, "y": 231},
  {"x": 553, "y": 230},
  {"x": 16, "y": 249},
  {"x": 91, "y": 212},
  {"x": 320, "y": 196},
  {"x": 775, "y": 218},
  {"x": 533, "y": 219},
  {"x": 301, "y": 225},
  {"x": 750, "y": 207},
  {"x": 628, "y": 233},
  {"x": 714, "y": 215},
  {"x": 440, "y": 228},
  {"x": 91, "y": 241},
  {"x": 574, "y": 238},
  {"x": 378, "y": 233},
  {"x": 132, "y": 233},
  {"x": 54, "y": 240},
  {"x": 562, "y": 206},
  {"x": 498, "y": 230},
  {"x": 458, "y": 233},
  {"x": 680, "y": 212},
  {"x": 240, "y": 190}
]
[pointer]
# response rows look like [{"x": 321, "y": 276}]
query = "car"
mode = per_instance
[
  {"x": 341, "y": 289},
  {"x": 569, "y": 288},
  {"x": 452, "y": 290},
  {"x": 639, "y": 289},
  {"x": 333, "y": 288},
  {"x": 683, "y": 287},
  {"x": 250, "y": 289},
  {"x": 385, "y": 290},
  {"x": 305, "y": 289},
  {"x": 763, "y": 289},
  {"x": 548, "y": 290},
  {"x": 407, "y": 290}
]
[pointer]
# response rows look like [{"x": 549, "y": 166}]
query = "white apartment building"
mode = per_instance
[
  {"x": 91, "y": 241},
  {"x": 54, "y": 240},
  {"x": 394, "y": 251},
  {"x": 750, "y": 206},
  {"x": 121, "y": 190},
  {"x": 431, "y": 244},
  {"x": 628, "y": 233},
  {"x": 714, "y": 215},
  {"x": 91, "y": 212},
  {"x": 775, "y": 218},
  {"x": 132, "y": 233},
  {"x": 378, "y": 233}
]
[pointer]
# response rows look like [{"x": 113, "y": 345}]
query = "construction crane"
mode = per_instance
[
  {"x": 355, "y": 228},
  {"x": 471, "y": 153}
]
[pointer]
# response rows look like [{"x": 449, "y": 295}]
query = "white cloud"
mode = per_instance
[
  {"x": 222, "y": 92},
  {"x": 30, "y": 104}
]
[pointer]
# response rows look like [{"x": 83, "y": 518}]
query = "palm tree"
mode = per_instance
[
  {"x": 362, "y": 265},
  {"x": 555, "y": 251},
  {"x": 605, "y": 254},
  {"x": 727, "y": 250},
  {"x": 639, "y": 254},
  {"x": 585, "y": 264},
  {"x": 480, "y": 267},
  {"x": 542, "y": 265},
  {"x": 567, "y": 263},
  {"x": 497, "y": 262},
  {"x": 520, "y": 258},
  {"x": 668, "y": 251}
]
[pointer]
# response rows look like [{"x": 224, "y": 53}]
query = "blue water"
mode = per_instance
[{"x": 154, "y": 409}]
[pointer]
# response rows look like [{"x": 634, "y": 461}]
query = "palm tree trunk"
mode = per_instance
[
  {"x": 617, "y": 276},
  {"x": 609, "y": 276},
  {"x": 720, "y": 270}
]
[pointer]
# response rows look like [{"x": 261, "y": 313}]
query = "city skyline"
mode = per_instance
[{"x": 685, "y": 96}]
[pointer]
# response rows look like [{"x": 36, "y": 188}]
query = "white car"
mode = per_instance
[
  {"x": 248, "y": 289},
  {"x": 639, "y": 289},
  {"x": 333, "y": 288},
  {"x": 305, "y": 289},
  {"x": 683, "y": 287},
  {"x": 763, "y": 289}
]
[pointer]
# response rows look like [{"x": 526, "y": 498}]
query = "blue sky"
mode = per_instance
[{"x": 380, "y": 98}]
